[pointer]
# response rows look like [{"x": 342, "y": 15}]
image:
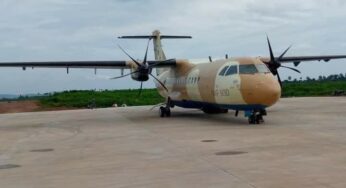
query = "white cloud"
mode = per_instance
[{"x": 87, "y": 30}]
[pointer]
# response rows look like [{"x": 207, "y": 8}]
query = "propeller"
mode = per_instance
[
  {"x": 122, "y": 76},
  {"x": 140, "y": 90},
  {"x": 275, "y": 63},
  {"x": 143, "y": 69}
]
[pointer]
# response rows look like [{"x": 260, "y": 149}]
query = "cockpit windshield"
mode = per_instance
[
  {"x": 262, "y": 68},
  {"x": 253, "y": 69},
  {"x": 248, "y": 69},
  {"x": 244, "y": 69}
]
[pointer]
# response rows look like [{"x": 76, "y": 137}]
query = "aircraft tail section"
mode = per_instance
[{"x": 158, "y": 50}]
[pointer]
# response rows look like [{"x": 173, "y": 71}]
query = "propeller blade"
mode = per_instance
[
  {"x": 283, "y": 54},
  {"x": 146, "y": 53},
  {"x": 279, "y": 79},
  {"x": 130, "y": 56},
  {"x": 140, "y": 89},
  {"x": 122, "y": 76},
  {"x": 272, "y": 58},
  {"x": 296, "y": 70},
  {"x": 163, "y": 85}
]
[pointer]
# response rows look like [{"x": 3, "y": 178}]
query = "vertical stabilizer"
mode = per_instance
[
  {"x": 159, "y": 54},
  {"x": 158, "y": 50}
]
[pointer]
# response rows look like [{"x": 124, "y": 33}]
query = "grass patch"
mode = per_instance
[
  {"x": 82, "y": 99},
  {"x": 107, "y": 98},
  {"x": 312, "y": 88}
]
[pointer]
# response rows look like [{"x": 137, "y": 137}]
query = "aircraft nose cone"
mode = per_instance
[{"x": 261, "y": 90}]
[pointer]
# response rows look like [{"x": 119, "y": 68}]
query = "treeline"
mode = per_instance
[
  {"x": 332, "y": 85},
  {"x": 333, "y": 77}
]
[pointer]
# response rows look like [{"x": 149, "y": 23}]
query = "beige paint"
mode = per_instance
[
  {"x": 192, "y": 85},
  {"x": 201, "y": 83},
  {"x": 225, "y": 85},
  {"x": 255, "y": 89}
]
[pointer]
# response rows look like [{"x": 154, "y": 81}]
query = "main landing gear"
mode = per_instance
[
  {"x": 165, "y": 111},
  {"x": 256, "y": 116}
]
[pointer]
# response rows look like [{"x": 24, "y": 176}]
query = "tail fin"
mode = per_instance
[{"x": 156, "y": 36}]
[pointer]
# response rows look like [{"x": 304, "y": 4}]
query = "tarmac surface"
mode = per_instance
[{"x": 302, "y": 144}]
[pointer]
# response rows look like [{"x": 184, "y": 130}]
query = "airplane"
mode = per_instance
[{"x": 241, "y": 84}]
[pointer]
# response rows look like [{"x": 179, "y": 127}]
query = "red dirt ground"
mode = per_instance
[
  {"x": 24, "y": 106},
  {"x": 18, "y": 106}
]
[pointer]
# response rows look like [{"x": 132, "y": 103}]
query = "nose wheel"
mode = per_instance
[{"x": 257, "y": 117}]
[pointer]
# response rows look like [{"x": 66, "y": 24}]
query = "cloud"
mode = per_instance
[{"x": 86, "y": 30}]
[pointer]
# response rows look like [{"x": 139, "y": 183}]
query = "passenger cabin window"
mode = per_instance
[
  {"x": 248, "y": 69},
  {"x": 232, "y": 70},
  {"x": 223, "y": 71}
]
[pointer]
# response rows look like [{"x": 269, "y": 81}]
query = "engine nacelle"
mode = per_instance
[
  {"x": 141, "y": 74},
  {"x": 140, "y": 77}
]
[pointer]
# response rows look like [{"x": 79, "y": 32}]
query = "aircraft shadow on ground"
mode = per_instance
[{"x": 194, "y": 117}]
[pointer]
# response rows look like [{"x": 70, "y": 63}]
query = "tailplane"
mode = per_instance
[{"x": 158, "y": 50}]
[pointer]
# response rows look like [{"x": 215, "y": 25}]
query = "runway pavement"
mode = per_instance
[{"x": 302, "y": 144}]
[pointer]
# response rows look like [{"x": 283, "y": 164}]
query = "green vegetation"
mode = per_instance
[
  {"x": 83, "y": 99},
  {"x": 323, "y": 86},
  {"x": 312, "y": 88}
]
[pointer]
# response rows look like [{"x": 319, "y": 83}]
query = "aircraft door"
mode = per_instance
[{"x": 227, "y": 86}]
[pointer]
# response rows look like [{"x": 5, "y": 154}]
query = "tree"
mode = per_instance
[{"x": 320, "y": 78}]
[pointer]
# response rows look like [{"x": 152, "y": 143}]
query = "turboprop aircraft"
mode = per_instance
[{"x": 241, "y": 84}]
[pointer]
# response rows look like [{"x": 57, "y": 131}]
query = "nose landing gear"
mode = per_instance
[{"x": 256, "y": 116}]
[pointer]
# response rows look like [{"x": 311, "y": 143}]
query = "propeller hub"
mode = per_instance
[
  {"x": 143, "y": 70},
  {"x": 275, "y": 63}
]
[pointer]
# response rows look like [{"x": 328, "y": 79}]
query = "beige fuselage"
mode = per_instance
[{"x": 197, "y": 85}]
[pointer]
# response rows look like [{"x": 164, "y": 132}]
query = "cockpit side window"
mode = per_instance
[
  {"x": 248, "y": 69},
  {"x": 223, "y": 71},
  {"x": 232, "y": 70}
]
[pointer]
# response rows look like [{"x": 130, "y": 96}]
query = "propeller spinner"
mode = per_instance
[{"x": 275, "y": 63}]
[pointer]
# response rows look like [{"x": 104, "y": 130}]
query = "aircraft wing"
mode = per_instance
[
  {"x": 298, "y": 59},
  {"x": 86, "y": 64}
]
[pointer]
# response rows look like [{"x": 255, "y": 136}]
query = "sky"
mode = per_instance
[{"x": 46, "y": 30}]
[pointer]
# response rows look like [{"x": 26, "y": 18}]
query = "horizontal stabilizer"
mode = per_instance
[{"x": 153, "y": 36}]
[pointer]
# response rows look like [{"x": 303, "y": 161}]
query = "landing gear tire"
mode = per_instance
[
  {"x": 256, "y": 118},
  {"x": 164, "y": 112},
  {"x": 259, "y": 119},
  {"x": 168, "y": 112},
  {"x": 252, "y": 119}
]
